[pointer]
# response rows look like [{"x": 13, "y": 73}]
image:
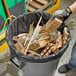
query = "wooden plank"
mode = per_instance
[
  {"x": 19, "y": 47},
  {"x": 41, "y": 43},
  {"x": 36, "y": 32},
  {"x": 46, "y": 49},
  {"x": 31, "y": 9},
  {"x": 31, "y": 29},
  {"x": 43, "y": 2},
  {"x": 35, "y": 5},
  {"x": 52, "y": 25},
  {"x": 34, "y": 53},
  {"x": 30, "y": 33}
]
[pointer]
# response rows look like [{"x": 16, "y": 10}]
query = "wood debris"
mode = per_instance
[
  {"x": 46, "y": 49},
  {"x": 65, "y": 35},
  {"x": 19, "y": 47},
  {"x": 59, "y": 40},
  {"x": 41, "y": 43},
  {"x": 34, "y": 53},
  {"x": 35, "y": 33},
  {"x": 29, "y": 34},
  {"x": 44, "y": 45},
  {"x": 51, "y": 25}
]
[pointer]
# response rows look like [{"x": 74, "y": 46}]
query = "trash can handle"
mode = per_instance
[{"x": 14, "y": 63}]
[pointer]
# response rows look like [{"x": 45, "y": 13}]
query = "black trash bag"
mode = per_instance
[{"x": 21, "y": 25}]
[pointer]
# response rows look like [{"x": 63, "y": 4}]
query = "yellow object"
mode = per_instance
[
  {"x": 3, "y": 47},
  {"x": 9, "y": 18},
  {"x": 56, "y": 6},
  {"x": 2, "y": 35}
]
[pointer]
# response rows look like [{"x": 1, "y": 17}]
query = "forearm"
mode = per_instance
[
  {"x": 65, "y": 13},
  {"x": 73, "y": 7}
]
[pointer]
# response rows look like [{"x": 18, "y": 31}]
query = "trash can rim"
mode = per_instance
[{"x": 42, "y": 58}]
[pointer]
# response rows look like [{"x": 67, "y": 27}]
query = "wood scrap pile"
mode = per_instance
[{"x": 43, "y": 45}]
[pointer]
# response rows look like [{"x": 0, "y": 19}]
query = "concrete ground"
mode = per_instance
[
  {"x": 71, "y": 22},
  {"x": 8, "y": 69}
]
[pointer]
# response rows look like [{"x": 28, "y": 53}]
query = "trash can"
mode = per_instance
[{"x": 32, "y": 66}]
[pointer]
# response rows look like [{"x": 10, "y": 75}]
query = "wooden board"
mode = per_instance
[
  {"x": 31, "y": 9},
  {"x": 20, "y": 47},
  {"x": 41, "y": 43},
  {"x": 35, "y": 5},
  {"x": 43, "y": 2}
]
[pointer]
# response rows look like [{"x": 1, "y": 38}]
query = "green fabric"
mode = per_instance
[
  {"x": 2, "y": 13},
  {"x": 10, "y": 3},
  {"x": 25, "y": 6}
]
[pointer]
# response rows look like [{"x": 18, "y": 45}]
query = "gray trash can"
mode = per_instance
[{"x": 33, "y": 66}]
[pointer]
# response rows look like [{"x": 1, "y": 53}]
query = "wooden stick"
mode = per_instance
[
  {"x": 46, "y": 49},
  {"x": 20, "y": 47},
  {"x": 34, "y": 53},
  {"x": 34, "y": 34},
  {"x": 59, "y": 40},
  {"x": 41, "y": 43},
  {"x": 49, "y": 51},
  {"x": 65, "y": 35},
  {"x": 30, "y": 33},
  {"x": 31, "y": 29}
]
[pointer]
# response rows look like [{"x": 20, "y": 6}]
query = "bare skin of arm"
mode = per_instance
[{"x": 73, "y": 7}]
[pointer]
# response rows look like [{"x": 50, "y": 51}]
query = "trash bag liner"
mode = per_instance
[{"x": 21, "y": 25}]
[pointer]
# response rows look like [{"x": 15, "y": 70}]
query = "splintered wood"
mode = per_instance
[
  {"x": 19, "y": 47},
  {"x": 65, "y": 36},
  {"x": 41, "y": 43},
  {"x": 35, "y": 33},
  {"x": 51, "y": 25},
  {"x": 46, "y": 49},
  {"x": 44, "y": 45}
]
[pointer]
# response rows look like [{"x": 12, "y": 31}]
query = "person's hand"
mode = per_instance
[{"x": 65, "y": 13}]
